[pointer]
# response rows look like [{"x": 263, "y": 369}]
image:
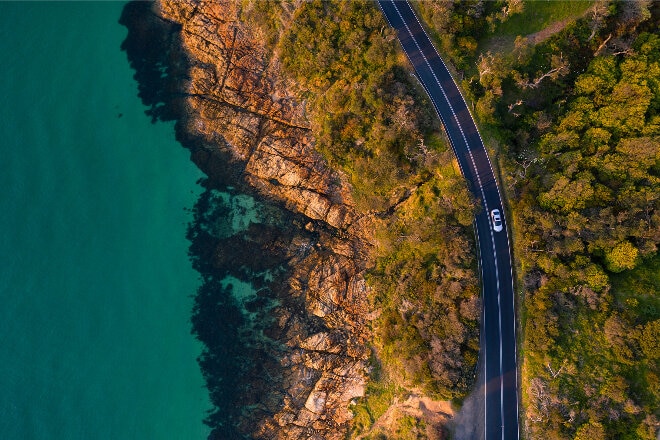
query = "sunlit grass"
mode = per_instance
[
  {"x": 379, "y": 395},
  {"x": 539, "y": 14},
  {"x": 536, "y": 16}
]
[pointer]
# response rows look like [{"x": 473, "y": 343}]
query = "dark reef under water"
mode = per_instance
[
  {"x": 242, "y": 269},
  {"x": 231, "y": 325}
]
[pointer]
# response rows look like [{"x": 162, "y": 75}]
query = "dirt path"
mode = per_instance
[
  {"x": 434, "y": 413},
  {"x": 549, "y": 31},
  {"x": 505, "y": 43}
]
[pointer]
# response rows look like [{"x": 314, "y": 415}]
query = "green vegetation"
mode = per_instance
[
  {"x": 410, "y": 428},
  {"x": 576, "y": 118},
  {"x": 371, "y": 120},
  {"x": 365, "y": 113},
  {"x": 531, "y": 17},
  {"x": 378, "y": 398},
  {"x": 457, "y": 27},
  {"x": 462, "y": 29},
  {"x": 636, "y": 292},
  {"x": 426, "y": 287}
]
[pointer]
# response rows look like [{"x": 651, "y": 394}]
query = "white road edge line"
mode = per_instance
[
  {"x": 485, "y": 204},
  {"x": 513, "y": 303}
]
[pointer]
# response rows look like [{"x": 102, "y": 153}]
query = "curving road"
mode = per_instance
[{"x": 498, "y": 330}]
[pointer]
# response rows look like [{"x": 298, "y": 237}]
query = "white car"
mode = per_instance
[{"x": 497, "y": 219}]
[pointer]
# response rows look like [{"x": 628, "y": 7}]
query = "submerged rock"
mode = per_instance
[{"x": 285, "y": 361}]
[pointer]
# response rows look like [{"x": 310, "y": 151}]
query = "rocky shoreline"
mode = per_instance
[{"x": 287, "y": 360}]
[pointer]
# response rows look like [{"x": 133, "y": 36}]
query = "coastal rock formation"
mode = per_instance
[
  {"x": 302, "y": 356},
  {"x": 234, "y": 99}
]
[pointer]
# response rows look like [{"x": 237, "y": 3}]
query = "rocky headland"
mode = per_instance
[{"x": 285, "y": 360}]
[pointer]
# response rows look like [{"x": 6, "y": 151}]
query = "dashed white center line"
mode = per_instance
[{"x": 460, "y": 128}]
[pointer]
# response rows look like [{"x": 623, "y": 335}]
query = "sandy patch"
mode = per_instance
[{"x": 434, "y": 413}]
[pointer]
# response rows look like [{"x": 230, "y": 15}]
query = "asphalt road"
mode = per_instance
[{"x": 498, "y": 330}]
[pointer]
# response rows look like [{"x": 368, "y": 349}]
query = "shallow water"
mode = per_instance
[{"x": 94, "y": 275}]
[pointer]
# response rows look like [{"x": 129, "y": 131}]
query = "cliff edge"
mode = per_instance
[{"x": 305, "y": 354}]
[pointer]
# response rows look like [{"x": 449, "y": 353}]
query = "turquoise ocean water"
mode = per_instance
[{"x": 95, "y": 282}]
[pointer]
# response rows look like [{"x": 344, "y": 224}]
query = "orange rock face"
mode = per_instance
[
  {"x": 239, "y": 117},
  {"x": 236, "y": 99}
]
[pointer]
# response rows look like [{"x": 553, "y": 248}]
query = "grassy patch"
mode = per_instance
[
  {"x": 538, "y": 15},
  {"x": 410, "y": 428},
  {"x": 379, "y": 396}
]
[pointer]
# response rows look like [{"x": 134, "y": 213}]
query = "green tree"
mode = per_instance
[
  {"x": 649, "y": 340},
  {"x": 590, "y": 431},
  {"x": 621, "y": 257}
]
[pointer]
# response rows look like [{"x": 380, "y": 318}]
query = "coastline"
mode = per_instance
[{"x": 302, "y": 357}]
